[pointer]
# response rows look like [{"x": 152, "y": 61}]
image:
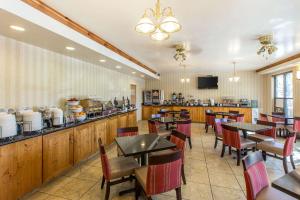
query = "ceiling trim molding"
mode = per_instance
[
  {"x": 280, "y": 62},
  {"x": 44, "y": 8}
]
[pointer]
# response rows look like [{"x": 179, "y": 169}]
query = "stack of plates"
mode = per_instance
[
  {"x": 32, "y": 121},
  {"x": 8, "y": 125}
]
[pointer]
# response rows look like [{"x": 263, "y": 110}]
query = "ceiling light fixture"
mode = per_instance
[
  {"x": 267, "y": 46},
  {"x": 133, "y": 72},
  {"x": 70, "y": 48},
  {"x": 158, "y": 22},
  {"x": 118, "y": 67},
  {"x": 180, "y": 55},
  {"x": 17, "y": 28},
  {"x": 234, "y": 78},
  {"x": 102, "y": 60},
  {"x": 184, "y": 80}
]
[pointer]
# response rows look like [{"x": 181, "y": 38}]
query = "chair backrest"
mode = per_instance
[
  {"x": 164, "y": 173},
  {"x": 128, "y": 131},
  {"x": 276, "y": 119},
  {"x": 218, "y": 126},
  {"x": 184, "y": 114},
  {"x": 297, "y": 124},
  {"x": 270, "y": 132},
  {"x": 231, "y": 136},
  {"x": 153, "y": 126},
  {"x": 106, "y": 170},
  {"x": 263, "y": 117},
  {"x": 234, "y": 112},
  {"x": 255, "y": 174},
  {"x": 210, "y": 118},
  {"x": 240, "y": 117},
  {"x": 289, "y": 144},
  {"x": 185, "y": 127},
  {"x": 179, "y": 139}
]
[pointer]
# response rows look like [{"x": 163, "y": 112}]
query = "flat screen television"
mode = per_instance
[{"x": 208, "y": 82}]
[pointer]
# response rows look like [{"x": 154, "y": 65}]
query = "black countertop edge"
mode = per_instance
[
  {"x": 25, "y": 136},
  {"x": 200, "y": 106}
]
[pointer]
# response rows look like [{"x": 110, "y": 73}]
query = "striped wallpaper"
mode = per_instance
[
  {"x": 249, "y": 86},
  {"x": 31, "y": 76}
]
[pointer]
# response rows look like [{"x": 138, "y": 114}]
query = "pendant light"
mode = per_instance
[{"x": 234, "y": 78}]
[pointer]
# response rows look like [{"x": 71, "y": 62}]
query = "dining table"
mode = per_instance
[
  {"x": 286, "y": 118},
  {"x": 225, "y": 114},
  {"x": 171, "y": 112},
  {"x": 289, "y": 183},
  {"x": 142, "y": 145},
  {"x": 169, "y": 120}
]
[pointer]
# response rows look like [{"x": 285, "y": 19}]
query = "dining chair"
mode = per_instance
[
  {"x": 263, "y": 117},
  {"x": 163, "y": 174},
  {"x": 257, "y": 180},
  {"x": 279, "y": 121},
  {"x": 296, "y": 127},
  {"x": 237, "y": 117},
  {"x": 185, "y": 127},
  {"x": 270, "y": 132},
  {"x": 209, "y": 120},
  {"x": 284, "y": 150},
  {"x": 184, "y": 114},
  {"x": 179, "y": 139},
  {"x": 232, "y": 138},
  {"x": 218, "y": 130},
  {"x": 123, "y": 132},
  {"x": 154, "y": 128},
  {"x": 116, "y": 170}
]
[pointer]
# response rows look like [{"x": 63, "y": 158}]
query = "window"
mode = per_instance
[{"x": 283, "y": 98}]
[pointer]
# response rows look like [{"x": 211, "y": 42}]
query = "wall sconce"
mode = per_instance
[{"x": 298, "y": 74}]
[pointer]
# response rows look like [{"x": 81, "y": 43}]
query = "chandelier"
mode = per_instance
[
  {"x": 157, "y": 22},
  {"x": 184, "y": 79},
  {"x": 234, "y": 78},
  {"x": 267, "y": 46},
  {"x": 180, "y": 54}
]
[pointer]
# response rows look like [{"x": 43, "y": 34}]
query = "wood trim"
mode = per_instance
[
  {"x": 44, "y": 8},
  {"x": 296, "y": 56}
]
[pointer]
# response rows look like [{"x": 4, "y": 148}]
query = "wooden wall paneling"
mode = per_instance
[{"x": 57, "y": 153}]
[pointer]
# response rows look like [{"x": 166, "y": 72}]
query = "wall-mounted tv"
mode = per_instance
[{"x": 208, "y": 82}]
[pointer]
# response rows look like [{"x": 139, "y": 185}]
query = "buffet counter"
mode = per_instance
[
  {"x": 197, "y": 113},
  {"x": 28, "y": 161}
]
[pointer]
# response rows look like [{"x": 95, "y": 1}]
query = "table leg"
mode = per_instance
[
  {"x": 244, "y": 133},
  {"x": 167, "y": 126},
  {"x": 143, "y": 159}
]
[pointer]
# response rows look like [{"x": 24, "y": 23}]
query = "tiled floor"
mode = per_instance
[{"x": 208, "y": 175}]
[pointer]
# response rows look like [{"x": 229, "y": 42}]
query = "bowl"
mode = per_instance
[
  {"x": 72, "y": 103},
  {"x": 81, "y": 118}
]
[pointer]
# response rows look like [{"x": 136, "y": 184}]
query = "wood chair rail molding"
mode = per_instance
[
  {"x": 280, "y": 62},
  {"x": 44, "y": 8}
]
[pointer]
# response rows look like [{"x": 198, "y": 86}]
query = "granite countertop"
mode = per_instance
[{"x": 45, "y": 131}]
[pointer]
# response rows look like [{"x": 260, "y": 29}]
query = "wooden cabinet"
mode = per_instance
[
  {"x": 123, "y": 120},
  {"x": 20, "y": 168},
  {"x": 83, "y": 142},
  {"x": 100, "y": 131},
  {"x": 146, "y": 112},
  {"x": 132, "y": 119},
  {"x": 112, "y": 129},
  {"x": 57, "y": 153}
]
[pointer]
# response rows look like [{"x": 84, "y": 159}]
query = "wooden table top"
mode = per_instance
[
  {"x": 141, "y": 144},
  {"x": 289, "y": 183}
]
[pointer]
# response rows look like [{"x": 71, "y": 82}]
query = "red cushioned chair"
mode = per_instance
[
  {"x": 263, "y": 117},
  {"x": 162, "y": 175},
  {"x": 232, "y": 138},
  {"x": 185, "y": 127},
  {"x": 296, "y": 127},
  {"x": 257, "y": 180},
  {"x": 284, "y": 150},
  {"x": 209, "y": 120},
  {"x": 218, "y": 130},
  {"x": 124, "y": 132},
  {"x": 279, "y": 121},
  {"x": 270, "y": 132},
  {"x": 153, "y": 127},
  {"x": 116, "y": 170}
]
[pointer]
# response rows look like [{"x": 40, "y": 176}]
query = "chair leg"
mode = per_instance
[
  {"x": 292, "y": 161},
  {"x": 223, "y": 150},
  {"x": 178, "y": 193},
  {"x": 206, "y": 127},
  {"x": 229, "y": 148},
  {"x": 103, "y": 181},
  {"x": 264, "y": 155},
  {"x": 285, "y": 167},
  {"x": 137, "y": 190},
  {"x": 216, "y": 142},
  {"x": 107, "y": 190},
  {"x": 238, "y": 157},
  {"x": 190, "y": 142},
  {"x": 183, "y": 175}
]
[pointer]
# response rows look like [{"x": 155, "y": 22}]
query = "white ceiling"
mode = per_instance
[
  {"x": 46, "y": 39},
  {"x": 219, "y": 30}
]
